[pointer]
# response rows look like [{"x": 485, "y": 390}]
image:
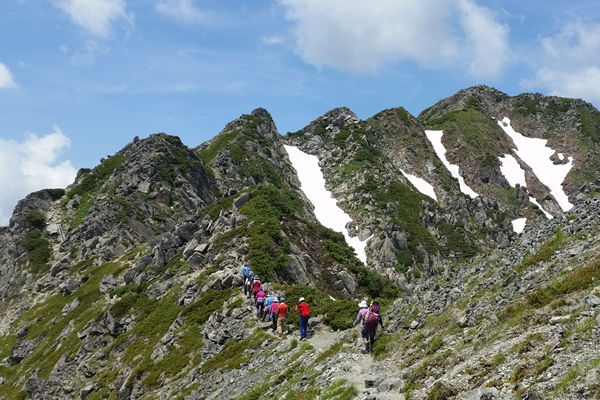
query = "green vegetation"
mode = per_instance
[
  {"x": 544, "y": 253},
  {"x": 339, "y": 314},
  {"x": 340, "y": 390},
  {"x": 577, "y": 280},
  {"x": 91, "y": 186},
  {"x": 375, "y": 285},
  {"x": 590, "y": 123},
  {"x": 525, "y": 105},
  {"x": 269, "y": 249},
  {"x": 245, "y": 144},
  {"x": 154, "y": 319},
  {"x": 527, "y": 344},
  {"x": 436, "y": 343},
  {"x": 233, "y": 355},
  {"x": 367, "y": 154},
  {"x": 215, "y": 208},
  {"x": 220, "y": 141},
  {"x": 569, "y": 377},
  {"x": 543, "y": 365},
  {"x": 35, "y": 219},
  {"x": 36, "y": 243},
  {"x": 38, "y": 250},
  {"x": 441, "y": 391},
  {"x": 125, "y": 209},
  {"x": 406, "y": 212},
  {"x": 340, "y": 138},
  {"x": 176, "y": 158},
  {"x": 45, "y": 324},
  {"x": 383, "y": 345},
  {"x": 473, "y": 128}
]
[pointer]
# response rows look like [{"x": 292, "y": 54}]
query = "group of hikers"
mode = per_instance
[{"x": 275, "y": 309}]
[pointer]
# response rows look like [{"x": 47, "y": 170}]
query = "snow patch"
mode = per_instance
[
  {"x": 535, "y": 153},
  {"x": 421, "y": 184},
  {"x": 326, "y": 210},
  {"x": 546, "y": 213},
  {"x": 519, "y": 224},
  {"x": 435, "y": 137},
  {"x": 514, "y": 174},
  {"x": 512, "y": 171}
]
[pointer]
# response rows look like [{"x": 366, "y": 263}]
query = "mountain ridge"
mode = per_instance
[{"x": 123, "y": 285}]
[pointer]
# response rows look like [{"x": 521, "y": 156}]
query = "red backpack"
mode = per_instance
[{"x": 372, "y": 317}]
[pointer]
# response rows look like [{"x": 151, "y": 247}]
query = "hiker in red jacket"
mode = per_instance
[
  {"x": 256, "y": 283},
  {"x": 304, "y": 315}
]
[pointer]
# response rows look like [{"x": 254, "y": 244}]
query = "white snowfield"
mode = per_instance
[
  {"x": 512, "y": 171},
  {"x": 519, "y": 224},
  {"x": 326, "y": 210},
  {"x": 421, "y": 184},
  {"x": 535, "y": 153},
  {"x": 435, "y": 137}
]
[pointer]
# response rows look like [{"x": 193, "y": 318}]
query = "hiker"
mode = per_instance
[
  {"x": 273, "y": 313},
  {"x": 371, "y": 319},
  {"x": 360, "y": 317},
  {"x": 282, "y": 311},
  {"x": 268, "y": 301},
  {"x": 248, "y": 285},
  {"x": 256, "y": 284},
  {"x": 304, "y": 315},
  {"x": 246, "y": 272},
  {"x": 259, "y": 301}
]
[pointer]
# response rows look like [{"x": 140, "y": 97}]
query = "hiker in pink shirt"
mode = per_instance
[
  {"x": 259, "y": 300},
  {"x": 273, "y": 313}
]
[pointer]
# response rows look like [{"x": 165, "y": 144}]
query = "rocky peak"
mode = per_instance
[
  {"x": 480, "y": 96},
  {"x": 264, "y": 115},
  {"x": 340, "y": 117}
]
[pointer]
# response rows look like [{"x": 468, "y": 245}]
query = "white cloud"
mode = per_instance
[
  {"x": 29, "y": 166},
  {"x": 570, "y": 63},
  {"x": 364, "y": 36},
  {"x": 273, "y": 40},
  {"x": 487, "y": 41},
  {"x": 96, "y": 16},
  {"x": 6, "y": 78},
  {"x": 182, "y": 10}
]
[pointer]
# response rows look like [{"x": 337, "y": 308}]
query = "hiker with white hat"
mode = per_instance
[
  {"x": 364, "y": 308},
  {"x": 304, "y": 315}
]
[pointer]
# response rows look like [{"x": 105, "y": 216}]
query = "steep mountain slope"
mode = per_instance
[
  {"x": 474, "y": 125},
  {"x": 126, "y": 284},
  {"x": 366, "y": 165},
  {"x": 109, "y": 286}
]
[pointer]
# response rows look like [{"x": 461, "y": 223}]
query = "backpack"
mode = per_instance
[{"x": 371, "y": 318}]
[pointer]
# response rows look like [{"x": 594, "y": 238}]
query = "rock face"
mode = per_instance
[{"x": 127, "y": 284}]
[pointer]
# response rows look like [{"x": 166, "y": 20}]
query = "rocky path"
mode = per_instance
[{"x": 356, "y": 367}]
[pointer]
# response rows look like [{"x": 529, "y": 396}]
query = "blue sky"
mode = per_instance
[{"x": 80, "y": 78}]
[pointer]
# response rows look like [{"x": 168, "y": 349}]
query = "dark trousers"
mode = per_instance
[
  {"x": 370, "y": 333},
  {"x": 274, "y": 317},
  {"x": 260, "y": 309},
  {"x": 303, "y": 326}
]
